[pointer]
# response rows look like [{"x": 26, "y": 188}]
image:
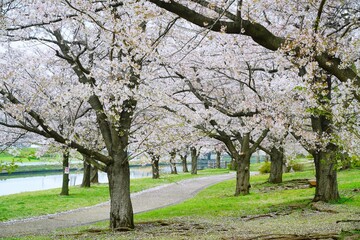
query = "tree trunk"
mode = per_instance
[
  {"x": 184, "y": 162},
  {"x": 325, "y": 156},
  {"x": 94, "y": 175},
  {"x": 121, "y": 211},
  {"x": 276, "y": 170},
  {"x": 218, "y": 159},
  {"x": 66, "y": 169},
  {"x": 86, "y": 177},
  {"x": 155, "y": 166},
  {"x": 243, "y": 167},
  {"x": 326, "y": 177},
  {"x": 173, "y": 163},
  {"x": 193, "y": 160}
]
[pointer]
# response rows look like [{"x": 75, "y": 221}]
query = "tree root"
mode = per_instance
[
  {"x": 348, "y": 220},
  {"x": 295, "y": 237}
]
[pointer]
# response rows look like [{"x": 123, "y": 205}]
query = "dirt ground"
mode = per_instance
[{"x": 314, "y": 221}]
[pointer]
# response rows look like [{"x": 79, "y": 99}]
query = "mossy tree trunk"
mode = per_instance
[
  {"x": 94, "y": 175},
  {"x": 86, "y": 176},
  {"x": 121, "y": 211},
  {"x": 243, "y": 167},
  {"x": 325, "y": 157},
  {"x": 66, "y": 173},
  {"x": 277, "y": 160}
]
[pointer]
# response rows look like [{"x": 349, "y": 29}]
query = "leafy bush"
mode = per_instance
[
  {"x": 355, "y": 161},
  {"x": 29, "y": 153},
  {"x": 232, "y": 166},
  {"x": 265, "y": 167},
  {"x": 296, "y": 166}
]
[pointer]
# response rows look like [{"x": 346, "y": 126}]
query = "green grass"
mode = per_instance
[
  {"x": 25, "y": 155},
  {"x": 218, "y": 200},
  {"x": 38, "y": 203}
]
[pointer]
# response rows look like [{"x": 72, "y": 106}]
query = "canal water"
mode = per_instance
[{"x": 48, "y": 181}]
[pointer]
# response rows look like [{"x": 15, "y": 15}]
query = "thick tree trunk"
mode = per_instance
[
  {"x": 194, "y": 158},
  {"x": 184, "y": 162},
  {"x": 326, "y": 177},
  {"x": 325, "y": 156},
  {"x": 121, "y": 211},
  {"x": 86, "y": 176},
  {"x": 155, "y": 166},
  {"x": 243, "y": 167},
  {"x": 94, "y": 175},
  {"x": 65, "y": 182},
  {"x": 218, "y": 159},
  {"x": 276, "y": 170},
  {"x": 173, "y": 163},
  {"x": 243, "y": 175}
]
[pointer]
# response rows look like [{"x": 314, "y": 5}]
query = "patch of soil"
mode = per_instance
[
  {"x": 287, "y": 185},
  {"x": 189, "y": 229}
]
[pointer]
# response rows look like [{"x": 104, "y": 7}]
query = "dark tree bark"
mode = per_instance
[
  {"x": 218, "y": 159},
  {"x": 243, "y": 167},
  {"x": 325, "y": 158},
  {"x": 326, "y": 177},
  {"x": 94, "y": 175},
  {"x": 86, "y": 176},
  {"x": 121, "y": 211},
  {"x": 184, "y": 162},
  {"x": 65, "y": 182},
  {"x": 173, "y": 162},
  {"x": 194, "y": 160},
  {"x": 277, "y": 160},
  {"x": 155, "y": 165},
  {"x": 241, "y": 158}
]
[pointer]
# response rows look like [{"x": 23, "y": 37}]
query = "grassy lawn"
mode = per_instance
[
  {"x": 214, "y": 213},
  {"x": 38, "y": 203},
  {"x": 218, "y": 200}
]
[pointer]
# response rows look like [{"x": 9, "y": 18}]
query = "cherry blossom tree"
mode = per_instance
[
  {"x": 320, "y": 39},
  {"x": 87, "y": 54}
]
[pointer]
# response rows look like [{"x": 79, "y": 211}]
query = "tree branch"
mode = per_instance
[{"x": 259, "y": 34}]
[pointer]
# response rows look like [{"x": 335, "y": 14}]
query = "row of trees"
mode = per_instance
[{"x": 110, "y": 77}]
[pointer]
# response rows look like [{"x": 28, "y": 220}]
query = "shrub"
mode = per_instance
[
  {"x": 355, "y": 161},
  {"x": 232, "y": 166},
  {"x": 297, "y": 167},
  {"x": 265, "y": 167}
]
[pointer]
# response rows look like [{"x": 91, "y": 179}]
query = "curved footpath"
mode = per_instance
[{"x": 150, "y": 199}]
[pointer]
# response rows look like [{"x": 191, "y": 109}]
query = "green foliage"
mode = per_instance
[
  {"x": 232, "y": 166},
  {"x": 265, "y": 167},
  {"x": 296, "y": 166},
  {"x": 8, "y": 167},
  {"x": 29, "y": 153},
  {"x": 355, "y": 161}
]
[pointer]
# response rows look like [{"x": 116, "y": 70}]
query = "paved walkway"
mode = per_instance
[{"x": 150, "y": 199}]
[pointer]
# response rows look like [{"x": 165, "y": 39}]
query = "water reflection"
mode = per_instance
[{"x": 35, "y": 183}]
